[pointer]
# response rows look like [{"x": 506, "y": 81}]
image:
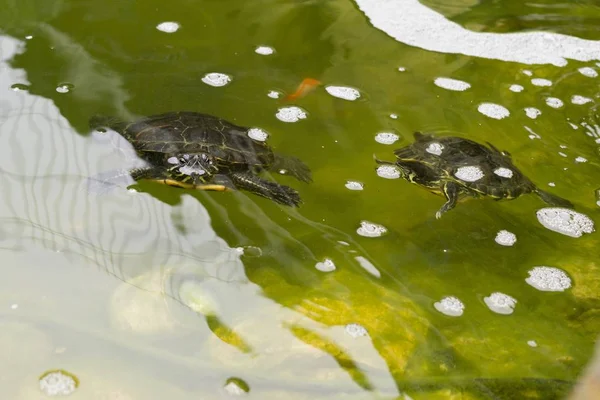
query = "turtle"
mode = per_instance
[
  {"x": 457, "y": 168},
  {"x": 192, "y": 150}
]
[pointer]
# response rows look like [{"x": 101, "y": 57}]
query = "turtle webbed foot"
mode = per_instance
[{"x": 279, "y": 193}]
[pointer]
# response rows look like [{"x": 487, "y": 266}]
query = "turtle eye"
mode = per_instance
[{"x": 182, "y": 160}]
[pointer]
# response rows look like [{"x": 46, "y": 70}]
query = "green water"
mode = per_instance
[{"x": 140, "y": 295}]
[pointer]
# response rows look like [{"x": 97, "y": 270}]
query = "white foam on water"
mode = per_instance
[
  {"x": 370, "y": 229},
  {"x": 503, "y": 172},
  {"x": 168, "y": 27},
  {"x": 506, "y": 238},
  {"x": 216, "y": 79},
  {"x": 327, "y": 265},
  {"x": 356, "y": 330},
  {"x": 500, "y": 303},
  {"x": 452, "y": 84},
  {"x": 588, "y": 71},
  {"x": 257, "y": 134},
  {"x": 343, "y": 92},
  {"x": 354, "y": 185},
  {"x": 580, "y": 159},
  {"x": 469, "y": 174},
  {"x": 273, "y": 94},
  {"x": 290, "y": 114},
  {"x": 450, "y": 306},
  {"x": 388, "y": 172},
  {"x": 579, "y": 100},
  {"x": 264, "y": 50},
  {"x": 532, "y": 112},
  {"x": 565, "y": 221},
  {"x": 415, "y": 24},
  {"x": 57, "y": 384},
  {"x": 386, "y": 138},
  {"x": 516, "y": 88},
  {"x": 554, "y": 102},
  {"x": 541, "y": 82},
  {"x": 435, "y": 148},
  {"x": 492, "y": 110},
  {"x": 548, "y": 279}
]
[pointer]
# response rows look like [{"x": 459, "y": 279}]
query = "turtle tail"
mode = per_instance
[
  {"x": 553, "y": 199},
  {"x": 100, "y": 121}
]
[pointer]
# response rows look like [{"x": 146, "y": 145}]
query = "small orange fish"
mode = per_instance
[{"x": 307, "y": 86}]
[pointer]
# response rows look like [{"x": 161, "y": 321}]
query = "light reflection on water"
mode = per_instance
[{"x": 187, "y": 305}]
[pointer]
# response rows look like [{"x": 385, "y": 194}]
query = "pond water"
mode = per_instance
[{"x": 154, "y": 292}]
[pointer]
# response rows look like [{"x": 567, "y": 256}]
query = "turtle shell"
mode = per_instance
[
  {"x": 483, "y": 170},
  {"x": 192, "y": 132}
]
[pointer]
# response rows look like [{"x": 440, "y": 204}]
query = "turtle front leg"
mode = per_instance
[
  {"x": 158, "y": 175},
  {"x": 273, "y": 191},
  {"x": 450, "y": 190}
]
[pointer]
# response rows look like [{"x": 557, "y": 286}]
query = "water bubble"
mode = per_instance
[
  {"x": 388, "y": 171},
  {"x": 236, "y": 387},
  {"x": 588, "y": 71},
  {"x": 386, "y": 138},
  {"x": 527, "y": 72},
  {"x": 327, "y": 265},
  {"x": 257, "y": 134},
  {"x": 216, "y": 79},
  {"x": 492, "y": 110},
  {"x": 554, "y": 102},
  {"x": 551, "y": 184},
  {"x": 354, "y": 185},
  {"x": 356, "y": 330},
  {"x": 14, "y": 306},
  {"x": 168, "y": 27},
  {"x": 516, "y": 88},
  {"x": 503, "y": 172},
  {"x": 435, "y": 148},
  {"x": 532, "y": 112},
  {"x": 560, "y": 153},
  {"x": 29, "y": 37},
  {"x": 505, "y": 238},
  {"x": 450, "y": 306},
  {"x": 579, "y": 100},
  {"x": 290, "y": 114},
  {"x": 469, "y": 174},
  {"x": 393, "y": 116},
  {"x": 19, "y": 86},
  {"x": 548, "y": 279},
  {"x": 597, "y": 193},
  {"x": 264, "y": 50},
  {"x": 64, "y": 88},
  {"x": 541, "y": 82},
  {"x": 451, "y": 84},
  {"x": 342, "y": 92},
  {"x": 500, "y": 303},
  {"x": 565, "y": 221},
  {"x": 532, "y": 343},
  {"x": 401, "y": 69},
  {"x": 58, "y": 383},
  {"x": 274, "y": 94},
  {"x": 370, "y": 229}
]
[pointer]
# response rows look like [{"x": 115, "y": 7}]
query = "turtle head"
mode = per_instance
[{"x": 194, "y": 168}]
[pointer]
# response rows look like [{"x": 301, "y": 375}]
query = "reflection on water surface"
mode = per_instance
[{"x": 155, "y": 292}]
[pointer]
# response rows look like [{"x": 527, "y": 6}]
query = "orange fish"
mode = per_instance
[{"x": 307, "y": 86}]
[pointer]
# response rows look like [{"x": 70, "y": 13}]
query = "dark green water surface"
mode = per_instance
[{"x": 147, "y": 294}]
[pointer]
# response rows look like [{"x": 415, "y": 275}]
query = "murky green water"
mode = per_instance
[{"x": 142, "y": 294}]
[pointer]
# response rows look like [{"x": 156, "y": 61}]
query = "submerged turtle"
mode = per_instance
[
  {"x": 191, "y": 150},
  {"x": 456, "y": 167}
]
